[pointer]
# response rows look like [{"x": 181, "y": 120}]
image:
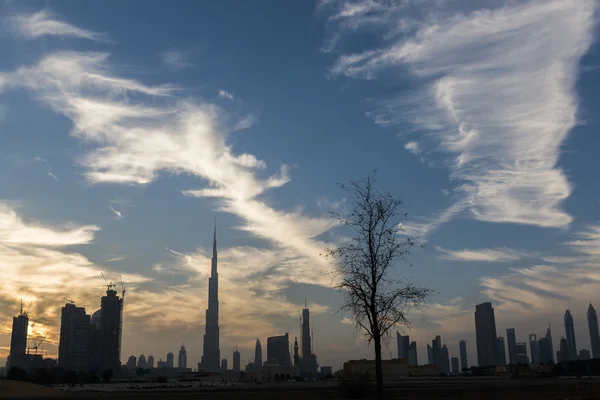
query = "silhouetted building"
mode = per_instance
[
  {"x": 440, "y": 355},
  {"x": 412, "y": 354},
  {"x": 96, "y": 343},
  {"x": 297, "y": 364},
  {"x": 236, "y": 361},
  {"x": 429, "y": 355},
  {"x": 533, "y": 348},
  {"x": 546, "y": 355},
  {"x": 570, "y": 332},
  {"x": 584, "y": 355},
  {"x": 141, "y": 362},
  {"x": 131, "y": 363},
  {"x": 326, "y": 370},
  {"x": 171, "y": 359},
  {"x": 18, "y": 338},
  {"x": 592, "y": 318},
  {"x": 549, "y": 338},
  {"x": 74, "y": 341},
  {"x": 563, "y": 353},
  {"x": 306, "y": 345},
  {"x": 110, "y": 330},
  {"x": 150, "y": 362},
  {"x": 500, "y": 351},
  {"x": 258, "y": 354},
  {"x": 462, "y": 346},
  {"x": 521, "y": 353},
  {"x": 212, "y": 355},
  {"x": 455, "y": 368},
  {"x": 224, "y": 365},
  {"x": 182, "y": 358},
  {"x": 512, "y": 343},
  {"x": 485, "y": 331},
  {"x": 278, "y": 350},
  {"x": 403, "y": 343}
]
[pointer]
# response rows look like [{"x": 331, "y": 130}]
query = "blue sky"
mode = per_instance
[{"x": 126, "y": 130}]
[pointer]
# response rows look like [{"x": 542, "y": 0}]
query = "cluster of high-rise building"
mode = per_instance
[
  {"x": 93, "y": 342},
  {"x": 491, "y": 348},
  {"x": 86, "y": 342}
]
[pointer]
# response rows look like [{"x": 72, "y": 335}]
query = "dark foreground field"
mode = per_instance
[{"x": 474, "y": 389}]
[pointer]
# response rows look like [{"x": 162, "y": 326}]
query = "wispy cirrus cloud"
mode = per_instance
[
  {"x": 46, "y": 23},
  {"x": 503, "y": 254},
  {"x": 226, "y": 95},
  {"x": 175, "y": 59},
  {"x": 118, "y": 214},
  {"x": 413, "y": 147},
  {"x": 498, "y": 92}
]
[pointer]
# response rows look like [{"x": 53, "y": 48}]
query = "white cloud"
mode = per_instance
[
  {"x": 118, "y": 214},
  {"x": 45, "y": 23},
  {"x": 499, "y": 94},
  {"x": 175, "y": 59},
  {"x": 482, "y": 255},
  {"x": 413, "y": 147},
  {"x": 48, "y": 167},
  {"x": 347, "y": 321},
  {"x": 445, "y": 192},
  {"x": 115, "y": 259},
  {"x": 226, "y": 95}
]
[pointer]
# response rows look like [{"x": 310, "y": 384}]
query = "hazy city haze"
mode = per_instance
[{"x": 125, "y": 131}]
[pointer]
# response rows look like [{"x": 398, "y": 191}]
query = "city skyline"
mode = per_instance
[{"x": 121, "y": 143}]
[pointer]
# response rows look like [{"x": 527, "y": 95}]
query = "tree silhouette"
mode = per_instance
[{"x": 364, "y": 264}]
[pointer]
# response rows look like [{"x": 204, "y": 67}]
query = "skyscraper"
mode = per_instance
[
  {"x": 500, "y": 351},
  {"x": 211, "y": 357},
  {"x": 485, "y": 331},
  {"x": 584, "y": 355},
  {"x": 18, "y": 337},
  {"x": 445, "y": 359},
  {"x": 545, "y": 351},
  {"x": 73, "y": 344},
  {"x": 592, "y": 318},
  {"x": 142, "y": 361},
  {"x": 455, "y": 369},
  {"x": 403, "y": 343},
  {"x": 306, "y": 348},
  {"x": 182, "y": 359},
  {"x": 258, "y": 354},
  {"x": 521, "y": 353},
  {"x": 512, "y": 343},
  {"x": 462, "y": 346},
  {"x": 278, "y": 350},
  {"x": 236, "y": 360},
  {"x": 170, "y": 359},
  {"x": 550, "y": 344},
  {"x": 563, "y": 353},
  {"x": 111, "y": 307},
  {"x": 533, "y": 348},
  {"x": 224, "y": 365},
  {"x": 150, "y": 362},
  {"x": 131, "y": 363},
  {"x": 412, "y": 354},
  {"x": 429, "y": 354},
  {"x": 440, "y": 354},
  {"x": 570, "y": 332}
]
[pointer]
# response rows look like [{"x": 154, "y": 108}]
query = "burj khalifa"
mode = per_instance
[{"x": 211, "y": 357}]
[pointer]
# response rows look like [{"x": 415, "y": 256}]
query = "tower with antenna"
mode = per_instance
[{"x": 18, "y": 337}]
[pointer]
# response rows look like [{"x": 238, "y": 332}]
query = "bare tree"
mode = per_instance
[{"x": 373, "y": 296}]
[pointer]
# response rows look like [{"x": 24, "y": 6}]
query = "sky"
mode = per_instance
[{"x": 127, "y": 131}]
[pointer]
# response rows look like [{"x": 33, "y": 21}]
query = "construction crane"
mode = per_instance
[
  {"x": 68, "y": 300},
  {"x": 35, "y": 347},
  {"x": 122, "y": 287},
  {"x": 110, "y": 285},
  {"x": 27, "y": 312}
]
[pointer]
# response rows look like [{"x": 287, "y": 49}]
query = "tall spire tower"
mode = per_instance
[{"x": 211, "y": 358}]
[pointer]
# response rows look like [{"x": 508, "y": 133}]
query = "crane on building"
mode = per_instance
[
  {"x": 35, "y": 347},
  {"x": 110, "y": 285},
  {"x": 68, "y": 300}
]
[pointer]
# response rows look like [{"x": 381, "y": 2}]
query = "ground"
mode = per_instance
[{"x": 447, "y": 388}]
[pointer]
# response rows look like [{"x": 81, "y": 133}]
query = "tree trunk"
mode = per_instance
[{"x": 378, "y": 368}]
